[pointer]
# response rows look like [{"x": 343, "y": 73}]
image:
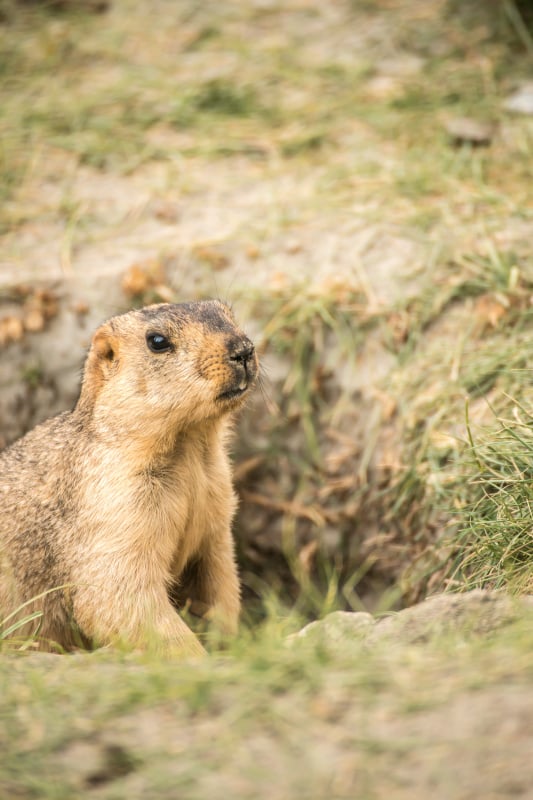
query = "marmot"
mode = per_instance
[{"x": 121, "y": 509}]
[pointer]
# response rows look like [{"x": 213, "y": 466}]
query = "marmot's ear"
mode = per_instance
[
  {"x": 102, "y": 358},
  {"x": 104, "y": 346}
]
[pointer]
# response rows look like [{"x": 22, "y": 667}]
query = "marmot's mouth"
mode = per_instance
[{"x": 232, "y": 394}]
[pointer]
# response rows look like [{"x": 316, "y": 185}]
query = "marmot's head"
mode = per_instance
[{"x": 168, "y": 366}]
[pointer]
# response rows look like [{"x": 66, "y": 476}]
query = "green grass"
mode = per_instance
[
  {"x": 55, "y": 95},
  {"x": 488, "y": 362},
  {"x": 493, "y": 541},
  {"x": 137, "y": 725}
]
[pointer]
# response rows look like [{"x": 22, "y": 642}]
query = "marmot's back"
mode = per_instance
[{"x": 37, "y": 472}]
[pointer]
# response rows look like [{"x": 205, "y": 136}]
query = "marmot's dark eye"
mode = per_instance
[{"x": 158, "y": 343}]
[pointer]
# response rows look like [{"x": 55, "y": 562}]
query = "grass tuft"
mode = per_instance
[{"x": 493, "y": 540}]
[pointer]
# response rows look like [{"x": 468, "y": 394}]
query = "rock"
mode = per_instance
[
  {"x": 336, "y": 627},
  {"x": 521, "y": 101},
  {"x": 478, "y": 612}
]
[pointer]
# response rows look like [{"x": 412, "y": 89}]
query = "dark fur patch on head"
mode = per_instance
[
  {"x": 213, "y": 315},
  {"x": 210, "y": 313}
]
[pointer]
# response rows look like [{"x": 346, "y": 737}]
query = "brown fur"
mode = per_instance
[{"x": 128, "y": 497}]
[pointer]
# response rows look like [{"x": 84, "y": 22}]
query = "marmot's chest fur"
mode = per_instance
[{"x": 118, "y": 497}]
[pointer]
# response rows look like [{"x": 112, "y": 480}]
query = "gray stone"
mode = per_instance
[
  {"x": 478, "y": 612},
  {"x": 337, "y": 627},
  {"x": 464, "y": 130}
]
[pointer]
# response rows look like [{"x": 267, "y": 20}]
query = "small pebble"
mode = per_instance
[{"x": 464, "y": 130}]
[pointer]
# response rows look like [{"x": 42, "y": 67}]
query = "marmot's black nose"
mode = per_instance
[{"x": 242, "y": 352}]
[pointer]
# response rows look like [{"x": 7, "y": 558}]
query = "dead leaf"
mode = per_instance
[
  {"x": 34, "y": 320},
  {"x": 80, "y": 308},
  {"x": 210, "y": 255},
  {"x": 146, "y": 280},
  {"x": 11, "y": 330},
  {"x": 489, "y": 310}
]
